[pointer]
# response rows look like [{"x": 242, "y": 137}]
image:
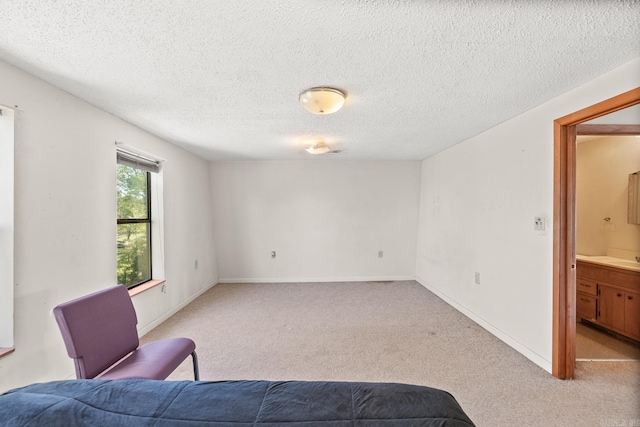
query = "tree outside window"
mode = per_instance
[{"x": 134, "y": 225}]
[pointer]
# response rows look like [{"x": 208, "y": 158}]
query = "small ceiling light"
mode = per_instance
[
  {"x": 322, "y": 100},
  {"x": 319, "y": 148}
]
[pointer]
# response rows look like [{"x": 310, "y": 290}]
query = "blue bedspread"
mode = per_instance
[{"x": 228, "y": 403}]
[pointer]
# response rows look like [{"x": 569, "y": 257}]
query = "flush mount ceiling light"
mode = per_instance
[
  {"x": 322, "y": 100},
  {"x": 319, "y": 148}
]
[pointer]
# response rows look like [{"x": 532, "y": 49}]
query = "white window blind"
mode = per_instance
[{"x": 137, "y": 161}]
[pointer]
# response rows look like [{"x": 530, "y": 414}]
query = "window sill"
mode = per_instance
[
  {"x": 6, "y": 350},
  {"x": 145, "y": 287}
]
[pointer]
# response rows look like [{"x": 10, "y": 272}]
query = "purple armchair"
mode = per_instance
[{"x": 99, "y": 331}]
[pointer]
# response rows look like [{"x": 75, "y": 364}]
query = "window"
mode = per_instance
[{"x": 134, "y": 218}]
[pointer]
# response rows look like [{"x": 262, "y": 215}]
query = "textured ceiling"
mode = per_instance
[{"x": 221, "y": 78}]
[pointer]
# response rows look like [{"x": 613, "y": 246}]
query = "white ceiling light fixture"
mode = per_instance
[
  {"x": 322, "y": 100},
  {"x": 319, "y": 148}
]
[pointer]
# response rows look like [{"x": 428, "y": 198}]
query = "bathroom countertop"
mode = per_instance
[{"x": 610, "y": 261}]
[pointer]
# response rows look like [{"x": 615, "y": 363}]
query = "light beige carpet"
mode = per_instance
[{"x": 391, "y": 332}]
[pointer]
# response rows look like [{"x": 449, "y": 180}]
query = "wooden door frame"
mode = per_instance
[{"x": 564, "y": 231}]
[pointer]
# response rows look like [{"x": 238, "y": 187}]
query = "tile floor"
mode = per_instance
[{"x": 595, "y": 344}]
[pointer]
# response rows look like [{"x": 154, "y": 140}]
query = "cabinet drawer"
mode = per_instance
[
  {"x": 586, "y": 306},
  {"x": 586, "y": 286}
]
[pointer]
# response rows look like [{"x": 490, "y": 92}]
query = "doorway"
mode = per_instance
[
  {"x": 564, "y": 230},
  {"x": 607, "y": 151}
]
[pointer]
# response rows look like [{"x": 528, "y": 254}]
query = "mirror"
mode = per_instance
[{"x": 634, "y": 198}]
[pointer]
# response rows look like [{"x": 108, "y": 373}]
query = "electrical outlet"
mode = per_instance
[
  {"x": 538, "y": 223},
  {"x": 380, "y": 254},
  {"x": 273, "y": 254},
  {"x": 477, "y": 278}
]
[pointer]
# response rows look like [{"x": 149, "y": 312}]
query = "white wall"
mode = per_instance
[
  {"x": 65, "y": 228},
  {"x": 603, "y": 166},
  {"x": 326, "y": 220},
  {"x": 477, "y": 207}
]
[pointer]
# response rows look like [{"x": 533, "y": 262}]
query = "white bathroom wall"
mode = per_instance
[
  {"x": 326, "y": 220},
  {"x": 603, "y": 166},
  {"x": 477, "y": 208},
  {"x": 65, "y": 227}
]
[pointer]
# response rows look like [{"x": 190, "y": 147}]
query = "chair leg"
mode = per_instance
[{"x": 196, "y": 371}]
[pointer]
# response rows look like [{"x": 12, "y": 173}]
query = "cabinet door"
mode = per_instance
[
  {"x": 611, "y": 304},
  {"x": 632, "y": 314}
]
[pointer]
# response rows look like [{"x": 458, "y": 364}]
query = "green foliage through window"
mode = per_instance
[{"x": 134, "y": 226}]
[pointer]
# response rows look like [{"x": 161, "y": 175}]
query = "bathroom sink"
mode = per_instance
[
  {"x": 612, "y": 261},
  {"x": 626, "y": 263}
]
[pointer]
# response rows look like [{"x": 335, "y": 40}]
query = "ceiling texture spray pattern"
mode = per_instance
[{"x": 222, "y": 78}]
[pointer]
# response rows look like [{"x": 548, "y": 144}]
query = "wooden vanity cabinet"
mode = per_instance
[{"x": 609, "y": 297}]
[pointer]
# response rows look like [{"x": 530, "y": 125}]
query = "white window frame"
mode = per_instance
[
  {"x": 6, "y": 229},
  {"x": 157, "y": 216}
]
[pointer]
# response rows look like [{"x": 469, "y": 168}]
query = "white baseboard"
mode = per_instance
[
  {"x": 313, "y": 279},
  {"x": 525, "y": 351},
  {"x": 142, "y": 332}
]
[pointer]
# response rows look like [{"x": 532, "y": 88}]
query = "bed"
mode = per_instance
[{"x": 237, "y": 403}]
